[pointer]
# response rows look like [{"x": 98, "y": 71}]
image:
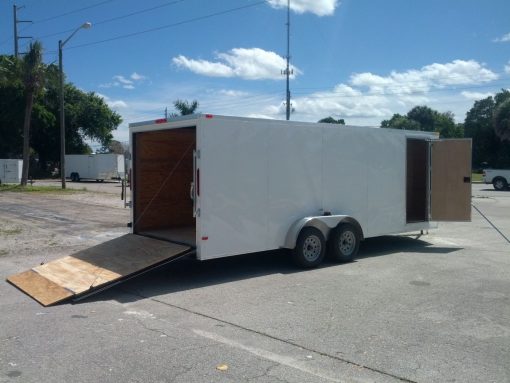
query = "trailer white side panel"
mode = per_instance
[
  {"x": 10, "y": 171},
  {"x": 364, "y": 177},
  {"x": 79, "y": 163},
  {"x": 294, "y": 191},
  {"x": 95, "y": 166},
  {"x": 120, "y": 166},
  {"x": 345, "y": 185},
  {"x": 233, "y": 188}
]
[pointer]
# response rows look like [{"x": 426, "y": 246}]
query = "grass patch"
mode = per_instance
[
  {"x": 38, "y": 189},
  {"x": 12, "y": 231},
  {"x": 3, "y": 252},
  {"x": 476, "y": 177}
]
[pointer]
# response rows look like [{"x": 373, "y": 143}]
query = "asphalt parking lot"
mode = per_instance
[{"x": 431, "y": 308}]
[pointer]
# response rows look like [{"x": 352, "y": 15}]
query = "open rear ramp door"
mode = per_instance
[
  {"x": 96, "y": 268},
  {"x": 450, "y": 180}
]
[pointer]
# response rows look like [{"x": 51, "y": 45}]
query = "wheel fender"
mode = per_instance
[{"x": 322, "y": 223}]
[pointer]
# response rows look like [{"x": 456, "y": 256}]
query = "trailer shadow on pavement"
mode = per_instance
[
  {"x": 388, "y": 244},
  {"x": 189, "y": 273}
]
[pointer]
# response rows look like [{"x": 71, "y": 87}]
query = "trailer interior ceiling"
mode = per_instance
[
  {"x": 163, "y": 173},
  {"x": 416, "y": 180}
]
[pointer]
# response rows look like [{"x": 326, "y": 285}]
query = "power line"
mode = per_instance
[
  {"x": 145, "y": 10},
  {"x": 199, "y": 18},
  {"x": 71, "y": 12},
  {"x": 139, "y": 12}
]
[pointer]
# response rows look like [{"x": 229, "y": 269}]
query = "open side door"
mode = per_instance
[
  {"x": 450, "y": 180},
  {"x": 96, "y": 268}
]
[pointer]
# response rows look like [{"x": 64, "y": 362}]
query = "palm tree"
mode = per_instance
[
  {"x": 185, "y": 108},
  {"x": 32, "y": 74}
]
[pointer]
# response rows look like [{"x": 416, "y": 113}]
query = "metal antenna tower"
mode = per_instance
[
  {"x": 287, "y": 72},
  {"x": 16, "y": 22}
]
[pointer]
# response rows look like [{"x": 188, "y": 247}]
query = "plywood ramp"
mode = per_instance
[{"x": 94, "y": 268}]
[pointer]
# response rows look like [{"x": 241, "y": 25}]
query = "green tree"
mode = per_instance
[
  {"x": 444, "y": 124},
  {"x": 32, "y": 70},
  {"x": 501, "y": 120},
  {"x": 185, "y": 108},
  {"x": 397, "y": 121},
  {"x": 87, "y": 116},
  {"x": 479, "y": 126},
  {"x": 21, "y": 81},
  {"x": 331, "y": 120},
  {"x": 11, "y": 120},
  {"x": 426, "y": 119},
  {"x": 424, "y": 116}
]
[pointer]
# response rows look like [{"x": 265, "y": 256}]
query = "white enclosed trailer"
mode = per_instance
[
  {"x": 10, "y": 171},
  {"x": 94, "y": 166},
  {"x": 259, "y": 185},
  {"x": 216, "y": 186}
]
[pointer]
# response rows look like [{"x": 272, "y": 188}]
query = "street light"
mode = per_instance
[{"x": 61, "y": 44}]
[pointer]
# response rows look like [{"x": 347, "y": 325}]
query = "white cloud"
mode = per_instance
[
  {"x": 476, "y": 95},
  {"x": 246, "y": 63},
  {"x": 137, "y": 77},
  {"x": 363, "y": 99},
  {"x": 368, "y": 97},
  {"x": 122, "y": 80},
  {"x": 457, "y": 72},
  {"x": 203, "y": 67},
  {"x": 318, "y": 7},
  {"x": 502, "y": 39},
  {"x": 507, "y": 68},
  {"x": 114, "y": 104},
  {"x": 232, "y": 93}
]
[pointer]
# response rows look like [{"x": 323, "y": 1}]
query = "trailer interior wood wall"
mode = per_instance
[
  {"x": 163, "y": 173},
  {"x": 416, "y": 180}
]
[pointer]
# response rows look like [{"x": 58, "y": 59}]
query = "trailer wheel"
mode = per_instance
[
  {"x": 310, "y": 248},
  {"x": 499, "y": 183},
  {"x": 343, "y": 243}
]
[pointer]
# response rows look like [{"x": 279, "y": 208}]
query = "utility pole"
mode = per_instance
[
  {"x": 16, "y": 22},
  {"x": 287, "y": 70},
  {"x": 166, "y": 113}
]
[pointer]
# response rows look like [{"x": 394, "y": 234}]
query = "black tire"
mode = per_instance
[
  {"x": 343, "y": 243},
  {"x": 499, "y": 183},
  {"x": 74, "y": 177},
  {"x": 310, "y": 248}
]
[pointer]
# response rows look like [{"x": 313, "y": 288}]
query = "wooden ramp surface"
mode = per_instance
[{"x": 94, "y": 267}]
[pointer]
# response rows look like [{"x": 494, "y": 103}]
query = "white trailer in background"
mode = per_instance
[
  {"x": 97, "y": 167},
  {"x": 10, "y": 171},
  {"x": 213, "y": 186},
  {"x": 259, "y": 185}
]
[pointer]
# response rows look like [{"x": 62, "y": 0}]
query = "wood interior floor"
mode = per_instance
[{"x": 185, "y": 235}]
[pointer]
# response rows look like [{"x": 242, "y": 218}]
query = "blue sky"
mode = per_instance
[{"x": 361, "y": 60}]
